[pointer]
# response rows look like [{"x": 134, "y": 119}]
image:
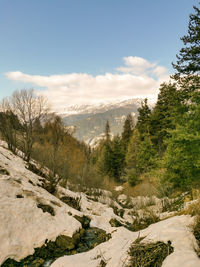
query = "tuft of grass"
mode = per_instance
[
  {"x": 176, "y": 204},
  {"x": 149, "y": 255},
  {"x": 193, "y": 209},
  {"x": 142, "y": 223}
]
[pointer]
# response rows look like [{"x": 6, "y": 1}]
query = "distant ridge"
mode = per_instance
[{"x": 89, "y": 121}]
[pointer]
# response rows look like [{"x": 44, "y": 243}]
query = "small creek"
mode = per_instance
[{"x": 83, "y": 241}]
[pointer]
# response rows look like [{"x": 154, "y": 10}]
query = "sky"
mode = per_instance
[{"x": 90, "y": 51}]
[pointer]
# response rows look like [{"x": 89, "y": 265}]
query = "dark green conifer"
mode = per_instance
[
  {"x": 143, "y": 122},
  {"x": 188, "y": 60},
  {"x": 127, "y": 131}
]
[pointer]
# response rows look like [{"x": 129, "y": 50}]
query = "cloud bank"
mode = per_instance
[{"x": 136, "y": 78}]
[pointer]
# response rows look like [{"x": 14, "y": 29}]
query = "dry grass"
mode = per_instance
[
  {"x": 146, "y": 188},
  {"x": 149, "y": 255},
  {"x": 193, "y": 209}
]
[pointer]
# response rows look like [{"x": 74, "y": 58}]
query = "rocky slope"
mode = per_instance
[{"x": 54, "y": 227}]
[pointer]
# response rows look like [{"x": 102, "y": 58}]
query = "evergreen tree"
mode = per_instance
[
  {"x": 141, "y": 157},
  {"x": 182, "y": 157},
  {"x": 104, "y": 157},
  {"x": 143, "y": 122},
  {"x": 107, "y": 131},
  {"x": 132, "y": 170},
  {"x": 165, "y": 115},
  {"x": 116, "y": 160},
  {"x": 127, "y": 131},
  {"x": 188, "y": 60},
  {"x": 147, "y": 157}
]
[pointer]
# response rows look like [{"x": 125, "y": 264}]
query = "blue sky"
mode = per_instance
[{"x": 91, "y": 37}]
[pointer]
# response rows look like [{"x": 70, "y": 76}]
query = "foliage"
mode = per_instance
[
  {"x": 9, "y": 128},
  {"x": 127, "y": 131},
  {"x": 188, "y": 59},
  {"x": 143, "y": 122},
  {"x": 116, "y": 159},
  {"x": 164, "y": 115},
  {"x": 182, "y": 158},
  {"x": 140, "y": 157}
]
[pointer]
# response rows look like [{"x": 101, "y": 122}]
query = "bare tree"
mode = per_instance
[
  {"x": 55, "y": 134},
  {"x": 28, "y": 108}
]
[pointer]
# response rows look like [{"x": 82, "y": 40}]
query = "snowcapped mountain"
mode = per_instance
[
  {"x": 89, "y": 120},
  {"x": 100, "y": 107}
]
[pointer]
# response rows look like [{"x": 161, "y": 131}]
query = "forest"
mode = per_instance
[{"x": 162, "y": 149}]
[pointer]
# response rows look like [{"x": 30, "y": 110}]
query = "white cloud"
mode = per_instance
[
  {"x": 138, "y": 78},
  {"x": 136, "y": 65}
]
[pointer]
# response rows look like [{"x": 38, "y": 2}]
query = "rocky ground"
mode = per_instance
[{"x": 91, "y": 229}]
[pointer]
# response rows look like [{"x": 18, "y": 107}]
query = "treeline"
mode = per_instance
[
  {"x": 166, "y": 138},
  {"x": 27, "y": 124},
  {"x": 164, "y": 142}
]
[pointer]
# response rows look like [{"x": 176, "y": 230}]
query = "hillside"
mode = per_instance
[{"x": 53, "y": 228}]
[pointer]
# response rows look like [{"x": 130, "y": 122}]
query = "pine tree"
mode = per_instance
[
  {"x": 117, "y": 160},
  {"x": 141, "y": 157},
  {"x": 143, "y": 122},
  {"x": 104, "y": 157},
  {"x": 165, "y": 114},
  {"x": 127, "y": 131},
  {"x": 188, "y": 60},
  {"x": 182, "y": 157},
  {"x": 107, "y": 131},
  {"x": 132, "y": 170}
]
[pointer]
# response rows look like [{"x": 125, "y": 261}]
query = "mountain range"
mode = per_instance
[{"x": 88, "y": 121}]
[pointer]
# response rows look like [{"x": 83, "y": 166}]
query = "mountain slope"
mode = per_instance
[{"x": 89, "y": 121}]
